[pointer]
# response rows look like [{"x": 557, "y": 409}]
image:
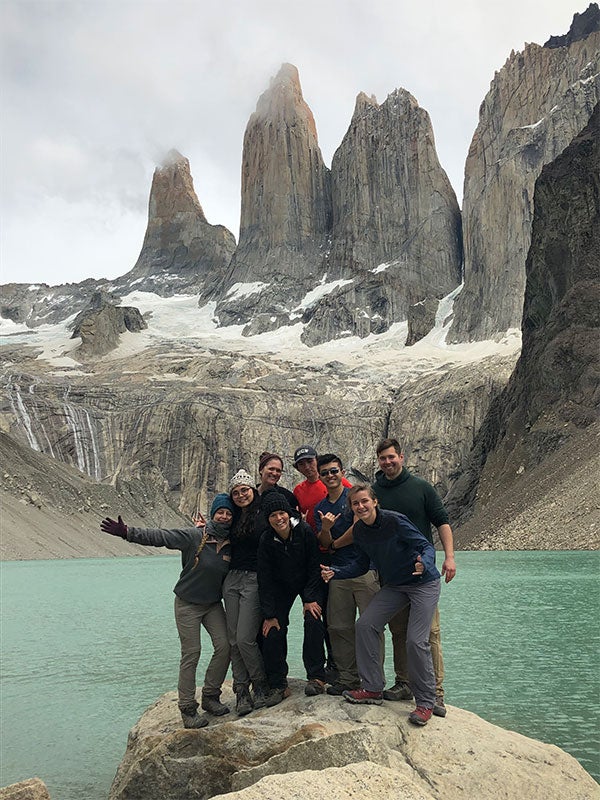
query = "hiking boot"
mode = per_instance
[
  {"x": 214, "y": 706},
  {"x": 243, "y": 703},
  {"x": 331, "y": 673},
  {"x": 260, "y": 696},
  {"x": 420, "y": 716},
  {"x": 191, "y": 718},
  {"x": 276, "y": 695},
  {"x": 399, "y": 691},
  {"x": 439, "y": 707},
  {"x": 363, "y": 696},
  {"x": 338, "y": 689},
  {"x": 314, "y": 687}
]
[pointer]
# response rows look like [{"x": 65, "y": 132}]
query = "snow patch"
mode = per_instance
[
  {"x": 239, "y": 290},
  {"x": 310, "y": 298},
  {"x": 381, "y": 267}
]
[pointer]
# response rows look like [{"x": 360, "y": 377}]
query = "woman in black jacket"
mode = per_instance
[{"x": 288, "y": 567}]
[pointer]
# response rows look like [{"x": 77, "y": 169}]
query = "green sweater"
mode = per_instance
[{"x": 414, "y": 497}]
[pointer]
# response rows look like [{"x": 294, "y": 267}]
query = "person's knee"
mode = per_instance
[
  {"x": 221, "y": 646},
  {"x": 190, "y": 656}
]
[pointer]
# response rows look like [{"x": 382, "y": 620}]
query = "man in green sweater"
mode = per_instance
[{"x": 397, "y": 489}]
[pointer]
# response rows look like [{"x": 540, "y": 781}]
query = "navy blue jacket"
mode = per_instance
[{"x": 392, "y": 543}]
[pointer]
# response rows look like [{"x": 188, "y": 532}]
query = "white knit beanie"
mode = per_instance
[{"x": 241, "y": 478}]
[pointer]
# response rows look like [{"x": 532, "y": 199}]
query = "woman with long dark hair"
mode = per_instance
[{"x": 240, "y": 593}]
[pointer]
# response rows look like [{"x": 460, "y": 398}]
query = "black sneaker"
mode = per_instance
[
  {"x": 275, "y": 696},
  {"x": 439, "y": 708},
  {"x": 399, "y": 691},
  {"x": 214, "y": 706}
]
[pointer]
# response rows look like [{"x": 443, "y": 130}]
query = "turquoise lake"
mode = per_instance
[{"x": 88, "y": 644}]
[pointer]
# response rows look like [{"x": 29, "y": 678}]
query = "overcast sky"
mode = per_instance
[{"x": 95, "y": 92}]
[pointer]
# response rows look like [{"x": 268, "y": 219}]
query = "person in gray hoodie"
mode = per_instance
[{"x": 205, "y": 557}]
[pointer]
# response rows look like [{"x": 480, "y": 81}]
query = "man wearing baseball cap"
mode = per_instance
[{"x": 312, "y": 490}]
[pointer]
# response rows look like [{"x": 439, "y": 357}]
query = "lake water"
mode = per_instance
[{"x": 88, "y": 644}]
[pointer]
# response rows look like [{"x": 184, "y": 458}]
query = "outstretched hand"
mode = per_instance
[{"x": 118, "y": 528}]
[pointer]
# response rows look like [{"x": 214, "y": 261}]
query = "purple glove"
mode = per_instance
[{"x": 119, "y": 528}]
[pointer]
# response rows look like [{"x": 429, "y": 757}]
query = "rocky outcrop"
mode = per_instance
[
  {"x": 581, "y": 27},
  {"x": 551, "y": 402},
  {"x": 286, "y": 202},
  {"x": 537, "y": 103},
  {"x": 35, "y": 304},
  {"x": 325, "y": 748},
  {"x": 101, "y": 324},
  {"x": 31, "y": 789},
  {"x": 181, "y": 250}
]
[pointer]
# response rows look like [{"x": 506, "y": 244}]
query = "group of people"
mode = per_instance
[{"x": 343, "y": 550}]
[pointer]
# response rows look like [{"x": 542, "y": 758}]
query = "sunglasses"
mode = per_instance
[{"x": 325, "y": 472}]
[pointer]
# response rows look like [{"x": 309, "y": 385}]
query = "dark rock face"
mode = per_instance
[
  {"x": 101, "y": 324},
  {"x": 392, "y": 201},
  {"x": 553, "y": 394},
  {"x": 421, "y": 319},
  {"x": 286, "y": 201},
  {"x": 537, "y": 103},
  {"x": 181, "y": 250},
  {"x": 581, "y": 27}
]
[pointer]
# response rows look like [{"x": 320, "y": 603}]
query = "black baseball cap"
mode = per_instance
[{"x": 305, "y": 451}]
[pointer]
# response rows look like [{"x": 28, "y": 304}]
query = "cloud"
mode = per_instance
[{"x": 96, "y": 93}]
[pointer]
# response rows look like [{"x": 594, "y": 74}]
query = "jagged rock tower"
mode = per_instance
[
  {"x": 537, "y": 103},
  {"x": 286, "y": 201},
  {"x": 396, "y": 222},
  {"x": 540, "y": 436},
  {"x": 181, "y": 250}
]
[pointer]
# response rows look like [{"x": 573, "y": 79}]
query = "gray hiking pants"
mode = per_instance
[
  {"x": 244, "y": 618},
  {"x": 422, "y": 598},
  {"x": 189, "y": 617}
]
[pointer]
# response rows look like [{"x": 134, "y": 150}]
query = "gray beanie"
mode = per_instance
[{"x": 241, "y": 478}]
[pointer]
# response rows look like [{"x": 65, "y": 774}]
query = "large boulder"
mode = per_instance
[
  {"x": 328, "y": 748},
  {"x": 100, "y": 325}
]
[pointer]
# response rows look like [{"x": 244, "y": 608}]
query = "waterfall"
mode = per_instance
[
  {"x": 21, "y": 413},
  {"x": 80, "y": 425}
]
